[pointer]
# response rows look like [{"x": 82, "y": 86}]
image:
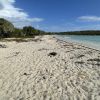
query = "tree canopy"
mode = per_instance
[{"x": 6, "y": 28}]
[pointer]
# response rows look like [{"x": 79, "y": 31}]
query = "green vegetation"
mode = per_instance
[
  {"x": 7, "y": 29},
  {"x": 90, "y": 32}
]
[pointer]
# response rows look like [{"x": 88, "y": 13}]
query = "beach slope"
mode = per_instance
[{"x": 45, "y": 68}]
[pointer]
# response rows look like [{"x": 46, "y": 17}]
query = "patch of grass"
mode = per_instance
[{"x": 18, "y": 40}]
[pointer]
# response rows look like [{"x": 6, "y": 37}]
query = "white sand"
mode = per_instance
[{"x": 27, "y": 72}]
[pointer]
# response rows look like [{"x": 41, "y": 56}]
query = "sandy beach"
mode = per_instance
[{"x": 45, "y": 68}]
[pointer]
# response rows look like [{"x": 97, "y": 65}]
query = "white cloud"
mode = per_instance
[
  {"x": 15, "y": 15},
  {"x": 89, "y": 18}
]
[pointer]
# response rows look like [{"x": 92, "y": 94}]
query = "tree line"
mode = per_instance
[
  {"x": 7, "y": 29},
  {"x": 86, "y": 32}
]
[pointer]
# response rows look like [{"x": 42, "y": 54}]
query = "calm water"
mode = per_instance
[{"x": 91, "y": 41}]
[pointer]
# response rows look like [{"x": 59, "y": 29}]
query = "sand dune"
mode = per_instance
[{"x": 45, "y": 68}]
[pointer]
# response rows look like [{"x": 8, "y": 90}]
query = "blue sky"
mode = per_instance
[{"x": 53, "y": 15}]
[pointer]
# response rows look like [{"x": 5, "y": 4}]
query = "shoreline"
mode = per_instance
[
  {"x": 46, "y": 68},
  {"x": 86, "y": 44},
  {"x": 79, "y": 44}
]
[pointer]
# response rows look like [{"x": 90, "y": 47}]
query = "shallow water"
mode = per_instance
[{"x": 91, "y": 41}]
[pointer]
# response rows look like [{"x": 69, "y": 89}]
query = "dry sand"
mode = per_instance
[{"x": 29, "y": 72}]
